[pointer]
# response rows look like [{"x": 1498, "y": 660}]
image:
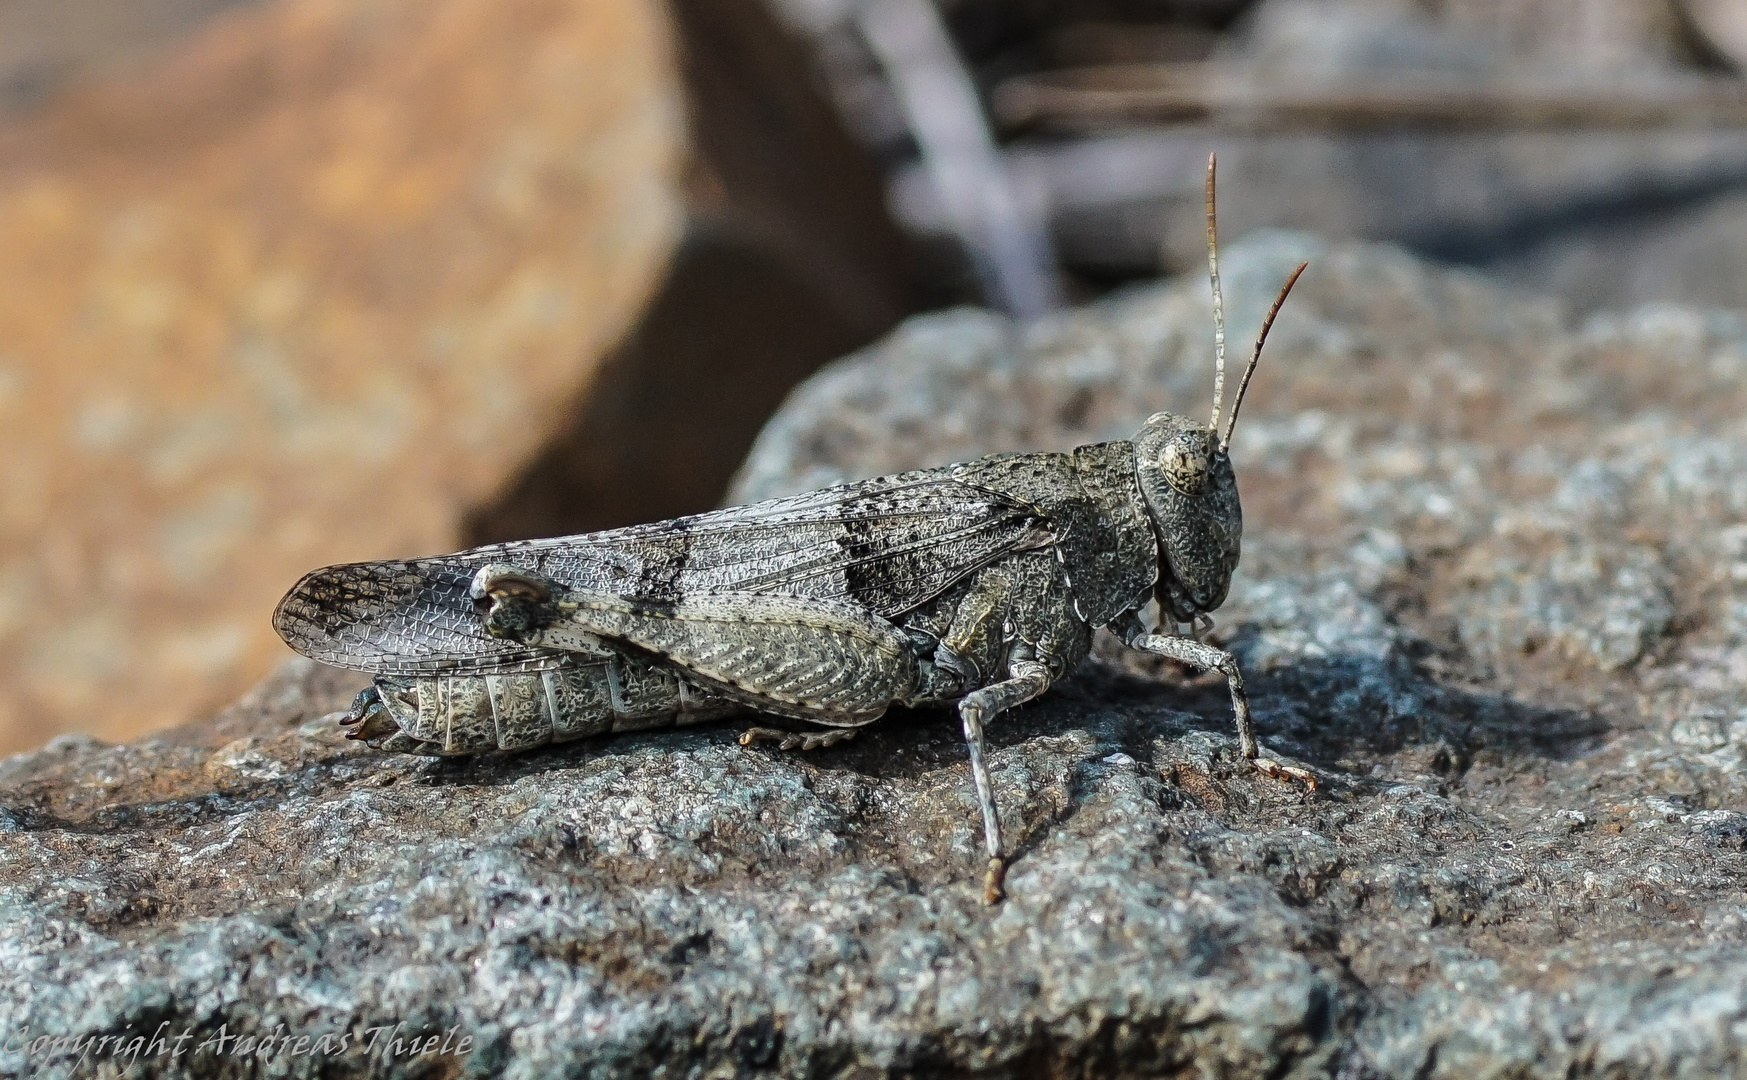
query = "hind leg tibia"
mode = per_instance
[{"x": 796, "y": 740}]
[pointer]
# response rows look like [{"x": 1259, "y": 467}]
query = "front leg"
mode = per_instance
[{"x": 1207, "y": 658}]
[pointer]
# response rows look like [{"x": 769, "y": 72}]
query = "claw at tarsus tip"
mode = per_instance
[{"x": 994, "y": 882}]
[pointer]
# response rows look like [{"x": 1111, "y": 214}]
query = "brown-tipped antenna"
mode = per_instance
[
  {"x": 1218, "y": 300},
  {"x": 1244, "y": 384}
]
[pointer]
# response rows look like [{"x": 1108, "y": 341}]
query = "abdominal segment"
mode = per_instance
[{"x": 470, "y": 714}]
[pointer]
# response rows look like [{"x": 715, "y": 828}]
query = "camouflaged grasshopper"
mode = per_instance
[{"x": 978, "y": 583}]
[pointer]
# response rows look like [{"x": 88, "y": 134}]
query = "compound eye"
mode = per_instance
[{"x": 1185, "y": 468}]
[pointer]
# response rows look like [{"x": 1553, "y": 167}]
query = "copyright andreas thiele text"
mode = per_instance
[{"x": 385, "y": 1041}]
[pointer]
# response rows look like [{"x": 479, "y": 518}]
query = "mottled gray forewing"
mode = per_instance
[{"x": 884, "y": 546}]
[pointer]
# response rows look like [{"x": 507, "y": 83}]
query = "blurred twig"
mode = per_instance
[
  {"x": 1234, "y": 99},
  {"x": 1005, "y": 237}
]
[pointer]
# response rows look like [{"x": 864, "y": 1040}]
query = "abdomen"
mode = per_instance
[{"x": 582, "y": 696}]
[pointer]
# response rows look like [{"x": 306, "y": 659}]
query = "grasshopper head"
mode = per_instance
[
  {"x": 1184, "y": 468},
  {"x": 1191, "y": 494}
]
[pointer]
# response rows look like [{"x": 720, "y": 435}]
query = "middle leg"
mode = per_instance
[{"x": 1029, "y": 679}]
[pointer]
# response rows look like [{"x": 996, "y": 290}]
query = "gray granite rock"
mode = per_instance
[{"x": 1494, "y": 593}]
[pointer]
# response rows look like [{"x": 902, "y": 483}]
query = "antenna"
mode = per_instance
[
  {"x": 1244, "y": 384},
  {"x": 1218, "y": 301}
]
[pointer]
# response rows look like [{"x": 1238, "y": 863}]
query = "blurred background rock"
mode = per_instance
[{"x": 291, "y": 282}]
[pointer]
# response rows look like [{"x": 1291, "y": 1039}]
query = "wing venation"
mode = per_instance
[{"x": 883, "y": 546}]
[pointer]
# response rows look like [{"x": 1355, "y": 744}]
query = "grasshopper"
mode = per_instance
[{"x": 978, "y": 583}]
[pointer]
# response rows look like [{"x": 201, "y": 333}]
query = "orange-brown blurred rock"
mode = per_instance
[{"x": 304, "y": 290}]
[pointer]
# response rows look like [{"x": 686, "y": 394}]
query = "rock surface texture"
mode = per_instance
[{"x": 1494, "y": 594}]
